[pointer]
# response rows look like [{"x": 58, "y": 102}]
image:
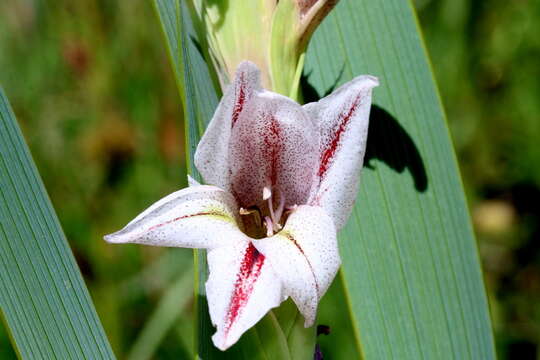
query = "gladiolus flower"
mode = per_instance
[{"x": 283, "y": 179}]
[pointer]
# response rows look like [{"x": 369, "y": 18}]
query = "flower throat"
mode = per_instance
[{"x": 268, "y": 218}]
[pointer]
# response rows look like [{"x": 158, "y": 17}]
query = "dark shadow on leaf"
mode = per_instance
[
  {"x": 197, "y": 45},
  {"x": 388, "y": 141},
  {"x": 310, "y": 94}
]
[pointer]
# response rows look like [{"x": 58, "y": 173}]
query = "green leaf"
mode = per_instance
[
  {"x": 410, "y": 263},
  {"x": 44, "y": 301}
]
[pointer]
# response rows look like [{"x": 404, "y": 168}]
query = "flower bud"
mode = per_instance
[{"x": 272, "y": 34}]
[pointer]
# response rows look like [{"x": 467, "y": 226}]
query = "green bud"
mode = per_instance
[{"x": 273, "y": 34}]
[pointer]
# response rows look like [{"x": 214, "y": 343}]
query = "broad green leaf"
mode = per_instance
[
  {"x": 44, "y": 302},
  {"x": 410, "y": 262}
]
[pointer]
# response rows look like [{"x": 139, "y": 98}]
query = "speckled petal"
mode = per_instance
[
  {"x": 343, "y": 118},
  {"x": 195, "y": 217},
  {"x": 241, "y": 289},
  {"x": 275, "y": 145},
  {"x": 305, "y": 256},
  {"x": 212, "y": 155}
]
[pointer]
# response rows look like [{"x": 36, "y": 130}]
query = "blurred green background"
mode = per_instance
[{"x": 93, "y": 90}]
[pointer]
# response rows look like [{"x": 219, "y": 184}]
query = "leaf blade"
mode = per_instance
[
  {"x": 410, "y": 262},
  {"x": 44, "y": 300}
]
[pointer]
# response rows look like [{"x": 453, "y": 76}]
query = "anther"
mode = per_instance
[
  {"x": 267, "y": 193},
  {"x": 253, "y": 211}
]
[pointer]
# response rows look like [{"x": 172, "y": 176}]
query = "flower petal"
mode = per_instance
[
  {"x": 241, "y": 289},
  {"x": 211, "y": 157},
  {"x": 274, "y": 145},
  {"x": 305, "y": 256},
  {"x": 343, "y": 118},
  {"x": 192, "y": 182},
  {"x": 195, "y": 217}
]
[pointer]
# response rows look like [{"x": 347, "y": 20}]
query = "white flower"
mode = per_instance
[{"x": 283, "y": 182}]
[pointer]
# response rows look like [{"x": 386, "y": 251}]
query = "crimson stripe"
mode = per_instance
[
  {"x": 239, "y": 101},
  {"x": 250, "y": 269},
  {"x": 328, "y": 154},
  {"x": 273, "y": 148},
  {"x": 207, "y": 213}
]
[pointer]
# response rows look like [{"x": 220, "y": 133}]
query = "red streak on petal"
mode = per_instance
[
  {"x": 272, "y": 140},
  {"x": 328, "y": 153},
  {"x": 293, "y": 240},
  {"x": 240, "y": 100},
  {"x": 250, "y": 269},
  {"x": 207, "y": 213}
]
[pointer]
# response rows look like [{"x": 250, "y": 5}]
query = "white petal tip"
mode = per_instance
[
  {"x": 366, "y": 81},
  {"x": 114, "y": 238},
  {"x": 219, "y": 342},
  {"x": 247, "y": 65},
  {"x": 373, "y": 79}
]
